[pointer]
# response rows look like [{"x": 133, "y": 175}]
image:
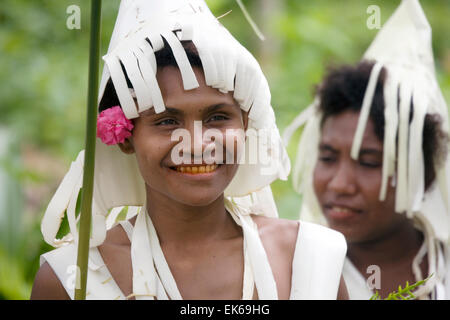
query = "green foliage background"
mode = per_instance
[{"x": 43, "y": 75}]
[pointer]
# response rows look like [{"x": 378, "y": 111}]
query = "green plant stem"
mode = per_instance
[{"x": 89, "y": 156}]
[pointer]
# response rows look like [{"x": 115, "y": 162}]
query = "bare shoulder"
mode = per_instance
[
  {"x": 281, "y": 233},
  {"x": 342, "y": 292},
  {"x": 47, "y": 286}
]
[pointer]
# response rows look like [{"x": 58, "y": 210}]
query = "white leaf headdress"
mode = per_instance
[
  {"x": 139, "y": 31},
  {"x": 403, "y": 48}
]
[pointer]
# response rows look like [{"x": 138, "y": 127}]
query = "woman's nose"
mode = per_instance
[
  {"x": 343, "y": 181},
  {"x": 196, "y": 131},
  {"x": 203, "y": 142}
]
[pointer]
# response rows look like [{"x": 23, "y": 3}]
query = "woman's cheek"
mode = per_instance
[
  {"x": 369, "y": 181},
  {"x": 320, "y": 179},
  {"x": 233, "y": 145}
]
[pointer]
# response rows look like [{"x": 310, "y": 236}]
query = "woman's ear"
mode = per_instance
[{"x": 127, "y": 146}]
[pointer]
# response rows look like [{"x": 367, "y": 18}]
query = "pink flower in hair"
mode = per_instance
[{"x": 112, "y": 126}]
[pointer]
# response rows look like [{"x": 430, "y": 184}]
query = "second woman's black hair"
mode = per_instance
[{"x": 344, "y": 88}]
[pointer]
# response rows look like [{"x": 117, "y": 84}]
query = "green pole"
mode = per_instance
[{"x": 89, "y": 155}]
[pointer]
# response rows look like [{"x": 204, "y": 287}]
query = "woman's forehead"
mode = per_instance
[
  {"x": 176, "y": 98},
  {"x": 339, "y": 131}
]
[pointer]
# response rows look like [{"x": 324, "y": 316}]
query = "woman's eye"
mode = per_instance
[
  {"x": 370, "y": 164},
  {"x": 218, "y": 117},
  {"x": 167, "y": 122},
  {"x": 326, "y": 159}
]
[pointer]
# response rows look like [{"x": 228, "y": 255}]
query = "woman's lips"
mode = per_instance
[{"x": 337, "y": 212}]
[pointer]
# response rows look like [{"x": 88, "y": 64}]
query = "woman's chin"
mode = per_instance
[
  {"x": 350, "y": 232},
  {"x": 197, "y": 199}
]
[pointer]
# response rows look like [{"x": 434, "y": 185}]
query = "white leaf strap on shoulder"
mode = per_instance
[
  {"x": 262, "y": 272},
  {"x": 161, "y": 265},
  {"x": 264, "y": 279},
  {"x": 249, "y": 281},
  {"x": 144, "y": 274}
]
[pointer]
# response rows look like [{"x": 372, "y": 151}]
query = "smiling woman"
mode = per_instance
[
  {"x": 198, "y": 218},
  {"x": 153, "y": 144},
  {"x": 154, "y": 134}
]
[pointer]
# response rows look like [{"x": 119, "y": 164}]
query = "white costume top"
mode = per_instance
[
  {"x": 316, "y": 266},
  {"x": 358, "y": 288}
]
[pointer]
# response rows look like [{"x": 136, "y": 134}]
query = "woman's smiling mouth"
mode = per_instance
[
  {"x": 339, "y": 212},
  {"x": 196, "y": 169}
]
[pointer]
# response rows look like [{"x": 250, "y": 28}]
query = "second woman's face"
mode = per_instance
[
  {"x": 190, "y": 112},
  {"x": 347, "y": 189}
]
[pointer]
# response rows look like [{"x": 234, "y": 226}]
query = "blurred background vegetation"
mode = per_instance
[{"x": 43, "y": 71}]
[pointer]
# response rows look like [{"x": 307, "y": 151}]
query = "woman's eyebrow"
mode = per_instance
[
  {"x": 174, "y": 111},
  {"x": 327, "y": 147},
  {"x": 371, "y": 151},
  {"x": 167, "y": 111}
]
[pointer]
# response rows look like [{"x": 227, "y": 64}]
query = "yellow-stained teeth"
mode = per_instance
[{"x": 197, "y": 169}]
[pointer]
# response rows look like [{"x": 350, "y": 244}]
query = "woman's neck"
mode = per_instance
[
  {"x": 398, "y": 247},
  {"x": 176, "y": 222}
]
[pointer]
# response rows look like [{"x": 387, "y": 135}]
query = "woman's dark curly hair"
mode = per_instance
[{"x": 343, "y": 89}]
